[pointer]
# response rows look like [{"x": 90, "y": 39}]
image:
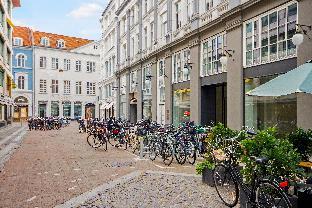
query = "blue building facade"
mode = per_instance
[{"x": 22, "y": 62}]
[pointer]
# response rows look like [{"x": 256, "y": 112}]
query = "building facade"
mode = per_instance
[
  {"x": 66, "y": 76},
  {"x": 6, "y": 51},
  {"x": 170, "y": 51},
  {"x": 107, "y": 83},
  {"x": 22, "y": 62}
]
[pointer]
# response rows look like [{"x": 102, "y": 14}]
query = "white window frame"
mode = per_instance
[
  {"x": 60, "y": 43},
  {"x": 45, "y": 41},
  {"x": 258, "y": 18},
  {"x": 43, "y": 62},
  {"x": 78, "y": 66},
  {"x": 21, "y": 60},
  {"x": 43, "y": 86},
  {"x": 90, "y": 66},
  {"x": 55, "y": 86},
  {"x": 181, "y": 63},
  {"x": 90, "y": 88},
  {"x": 67, "y": 87},
  {"x": 55, "y": 63},
  {"x": 78, "y": 88},
  {"x": 17, "y": 41},
  {"x": 67, "y": 64}
]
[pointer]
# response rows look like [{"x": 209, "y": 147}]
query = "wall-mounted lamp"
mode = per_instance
[
  {"x": 225, "y": 55},
  {"x": 301, "y": 30}
]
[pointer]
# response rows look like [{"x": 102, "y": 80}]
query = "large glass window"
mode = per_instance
[
  {"x": 212, "y": 50},
  {"x": 264, "y": 112},
  {"x": 55, "y": 109},
  {"x": 77, "y": 110},
  {"x": 21, "y": 82},
  {"x": 181, "y": 106},
  {"x": 268, "y": 37},
  {"x": 66, "y": 109},
  {"x": 181, "y": 67}
]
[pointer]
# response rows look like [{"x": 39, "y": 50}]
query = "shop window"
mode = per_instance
[{"x": 181, "y": 106}]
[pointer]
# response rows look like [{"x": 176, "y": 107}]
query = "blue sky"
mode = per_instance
[{"x": 79, "y": 18}]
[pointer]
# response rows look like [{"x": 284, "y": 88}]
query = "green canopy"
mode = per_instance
[{"x": 295, "y": 81}]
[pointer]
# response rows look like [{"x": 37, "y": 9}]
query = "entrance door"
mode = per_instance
[
  {"x": 42, "y": 110},
  {"x": 133, "y": 113},
  {"x": 90, "y": 111}
]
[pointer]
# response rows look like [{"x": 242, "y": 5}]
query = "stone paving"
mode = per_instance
[
  {"x": 52, "y": 167},
  {"x": 153, "y": 189}
]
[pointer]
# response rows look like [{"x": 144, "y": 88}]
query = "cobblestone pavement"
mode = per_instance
[
  {"x": 52, "y": 167},
  {"x": 156, "y": 189}
]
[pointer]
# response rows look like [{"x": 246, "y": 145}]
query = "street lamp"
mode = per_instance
[
  {"x": 301, "y": 30},
  {"x": 224, "y": 56}
]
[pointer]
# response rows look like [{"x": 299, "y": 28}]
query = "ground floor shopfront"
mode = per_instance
[{"x": 73, "y": 110}]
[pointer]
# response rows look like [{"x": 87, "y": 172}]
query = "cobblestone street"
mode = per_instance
[{"x": 53, "y": 167}]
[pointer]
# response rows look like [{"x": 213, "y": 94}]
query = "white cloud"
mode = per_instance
[{"x": 86, "y": 10}]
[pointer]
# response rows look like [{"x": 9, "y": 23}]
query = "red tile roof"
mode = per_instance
[
  {"x": 16, "y": 3},
  {"x": 70, "y": 42},
  {"x": 24, "y": 33}
]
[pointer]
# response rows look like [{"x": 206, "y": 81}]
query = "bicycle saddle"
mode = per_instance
[{"x": 261, "y": 160}]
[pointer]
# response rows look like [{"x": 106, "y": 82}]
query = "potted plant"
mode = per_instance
[{"x": 206, "y": 168}]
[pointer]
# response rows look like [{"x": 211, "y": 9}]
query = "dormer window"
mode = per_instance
[
  {"x": 45, "y": 41},
  {"x": 18, "y": 42},
  {"x": 60, "y": 44}
]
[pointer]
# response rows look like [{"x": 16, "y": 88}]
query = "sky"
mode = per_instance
[{"x": 78, "y": 18}]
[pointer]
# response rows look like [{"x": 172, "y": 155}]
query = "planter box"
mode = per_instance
[{"x": 207, "y": 177}]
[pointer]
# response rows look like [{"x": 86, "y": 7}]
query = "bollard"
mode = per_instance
[{"x": 141, "y": 147}]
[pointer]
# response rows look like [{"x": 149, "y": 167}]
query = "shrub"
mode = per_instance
[
  {"x": 302, "y": 141},
  {"x": 205, "y": 164},
  {"x": 283, "y": 158}
]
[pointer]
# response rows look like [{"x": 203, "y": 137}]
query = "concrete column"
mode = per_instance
[
  {"x": 140, "y": 30},
  {"x": 195, "y": 84},
  {"x": 49, "y": 108},
  {"x": 235, "y": 85},
  {"x": 168, "y": 88},
  {"x": 140, "y": 94},
  {"x": 154, "y": 90},
  {"x": 127, "y": 95},
  {"x": 82, "y": 110},
  {"x": 169, "y": 17},
  {"x": 61, "y": 109}
]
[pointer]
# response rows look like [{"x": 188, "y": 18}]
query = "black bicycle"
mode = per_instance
[
  {"x": 262, "y": 192},
  {"x": 97, "y": 138}
]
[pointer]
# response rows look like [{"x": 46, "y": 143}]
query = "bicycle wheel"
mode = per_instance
[
  {"x": 180, "y": 153},
  {"x": 113, "y": 140},
  {"x": 167, "y": 154},
  {"x": 93, "y": 141},
  {"x": 226, "y": 186},
  {"x": 269, "y": 194},
  {"x": 191, "y": 154}
]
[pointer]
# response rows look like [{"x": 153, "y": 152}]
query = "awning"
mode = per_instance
[{"x": 298, "y": 80}]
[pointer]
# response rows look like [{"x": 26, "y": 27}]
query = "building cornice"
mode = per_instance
[{"x": 122, "y": 6}]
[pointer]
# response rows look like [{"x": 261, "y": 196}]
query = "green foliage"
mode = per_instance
[
  {"x": 202, "y": 165},
  {"x": 302, "y": 141},
  {"x": 283, "y": 158}
]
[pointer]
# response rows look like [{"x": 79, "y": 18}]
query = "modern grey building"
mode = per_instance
[{"x": 168, "y": 61}]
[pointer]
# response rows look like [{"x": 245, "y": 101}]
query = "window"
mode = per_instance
[
  {"x": 43, "y": 62},
  {"x": 60, "y": 44},
  {"x": 152, "y": 34},
  {"x": 161, "y": 81},
  {"x": 55, "y": 63},
  {"x": 55, "y": 86},
  {"x": 66, "y": 87},
  {"x": 78, "y": 88},
  {"x": 163, "y": 28},
  {"x": 267, "y": 38},
  {"x": 177, "y": 14},
  {"x": 90, "y": 66},
  {"x": 146, "y": 85},
  {"x": 212, "y": 50},
  {"x": 21, "y": 82},
  {"x": 145, "y": 6},
  {"x": 67, "y": 64},
  {"x": 208, "y": 4},
  {"x": 181, "y": 69},
  {"x": 18, "y": 42},
  {"x": 133, "y": 81},
  {"x": 145, "y": 37},
  {"x": 90, "y": 88},
  {"x": 43, "y": 86},
  {"x": 44, "y": 41},
  {"x": 21, "y": 60},
  {"x": 78, "y": 65}
]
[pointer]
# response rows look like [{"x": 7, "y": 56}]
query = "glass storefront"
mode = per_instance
[
  {"x": 77, "y": 110},
  {"x": 181, "y": 106},
  {"x": 67, "y": 109},
  {"x": 55, "y": 109},
  {"x": 264, "y": 112}
]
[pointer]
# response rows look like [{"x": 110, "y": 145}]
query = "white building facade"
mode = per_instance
[
  {"x": 66, "y": 80},
  {"x": 108, "y": 56}
]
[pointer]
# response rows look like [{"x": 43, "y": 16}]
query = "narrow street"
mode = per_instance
[{"x": 54, "y": 167}]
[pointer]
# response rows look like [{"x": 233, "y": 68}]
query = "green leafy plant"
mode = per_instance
[
  {"x": 302, "y": 141},
  {"x": 205, "y": 164},
  {"x": 283, "y": 158}
]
